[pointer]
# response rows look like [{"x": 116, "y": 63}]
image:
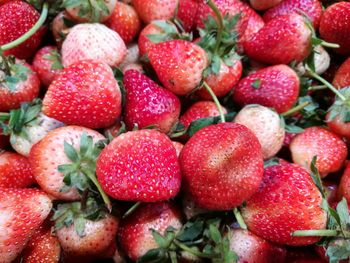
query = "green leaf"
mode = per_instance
[
  {"x": 154, "y": 256},
  {"x": 160, "y": 240},
  {"x": 271, "y": 162},
  {"x": 215, "y": 234},
  {"x": 216, "y": 64},
  {"x": 55, "y": 57},
  {"x": 343, "y": 212},
  {"x": 293, "y": 128},
  {"x": 79, "y": 225},
  {"x": 316, "y": 176},
  {"x": 338, "y": 250},
  {"x": 71, "y": 152},
  {"x": 256, "y": 84},
  {"x": 191, "y": 231}
]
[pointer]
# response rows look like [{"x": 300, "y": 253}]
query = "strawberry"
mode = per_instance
[
  {"x": 60, "y": 26},
  {"x": 16, "y": 18},
  {"x": 331, "y": 150},
  {"x": 135, "y": 233},
  {"x": 311, "y": 8},
  {"x": 149, "y": 104},
  {"x": 140, "y": 166},
  {"x": 302, "y": 255},
  {"x": 125, "y": 21},
  {"x": 152, "y": 10},
  {"x": 43, "y": 247},
  {"x": 276, "y": 87},
  {"x": 132, "y": 59},
  {"x": 282, "y": 40},
  {"x": 342, "y": 75},
  {"x": 179, "y": 65},
  {"x": 321, "y": 61},
  {"x": 93, "y": 41},
  {"x": 251, "y": 248},
  {"x": 286, "y": 201},
  {"x": 187, "y": 12},
  {"x": 45, "y": 165},
  {"x": 22, "y": 211},
  {"x": 47, "y": 64},
  {"x": 144, "y": 42},
  {"x": 338, "y": 126},
  {"x": 74, "y": 98},
  {"x": 15, "y": 171},
  {"x": 264, "y": 4},
  {"x": 222, "y": 166},
  {"x": 266, "y": 125},
  {"x": 344, "y": 185},
  {"x": 335, "y": 26}
]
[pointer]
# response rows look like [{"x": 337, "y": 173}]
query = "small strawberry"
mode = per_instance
[
  {"x": 60, "y": 26},
  {"x": 74, "y": 98},
  {"x": 282, "y": 40},
  {"x": 47, "y": 64},
  {"x": 22, "y": 211},
  {"x": 276, "y": 87},
  {"x": 179, "y": 65},
  {"x": 288, "y": 200},
  {"x": 311, "y": 8},
  {"x": 93, "y": 41},
  {"x": 152, "y": 10},
  {"x": 264, "y": 4},
  {"x": 344, "y": 185},
  {"x": 15, "y": 171},
  {"x": 331, "y": 150},
  {"x": 149, "y": 104},
  {"x": 342, "y": 75},
  {"x": 187, "y": 12},
  {"x": 140, "y": 166},
  {"x": 222, "y": 166},
  {"x": 125, "y": 21}
]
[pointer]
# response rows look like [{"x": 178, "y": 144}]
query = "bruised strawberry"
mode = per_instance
[
  {"x": 22, "y": 211},
  {"x": 149, "y": 104},
  {"x": 155, "y": 9},
  {"x": 264, "y": 4},
  {"x": 331, "y": 150},
  {"x": 187, "y": 12},
  {"x": 140, "y": 166},
  {"x": 76, "y": 95},
  {"x": 287, "y": 200},
  {"x": 222, "y": 166},
  {"x": 342, "y": 75},
  {"x": 276, "y": 87}
]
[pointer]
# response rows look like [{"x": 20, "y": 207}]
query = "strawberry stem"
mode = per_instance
[
  {"x": 329, "y": 45},
  {"x": 132, "y": 209},
  {"x": 31, "y": 32},
  {"x": 194, "y": 252},
  {"x": 216, "y": 101},
  {"x": 239, "y": 219},
  {"x": 220, "y": 23},
  {"x": 317, "y": 87},
  {"x": 296, "y": 109},
  {"x": 321, "y": 233}
]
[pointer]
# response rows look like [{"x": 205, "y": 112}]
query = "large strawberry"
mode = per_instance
[
  {"x": 155, "y": 9},
  {"x": 22, "y": 211},
  {"x": 342, "y": 75},
  {"x": 222, "y": 166},
  {"x": 149, "y": 104},
  {"x": 76, "y": 95},
  {"x": 140, "y": 166},
  {"x": 275, "y": 87},
  {"x": 287, "y": 200}
]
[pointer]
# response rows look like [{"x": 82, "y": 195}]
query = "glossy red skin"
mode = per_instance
[
  {"x": 222, "y": 166},
  {"x": 330, "y": 149},
  {"x": 43, "y": 66},
  {"x": 140, "y": 166},
  {"x": 151, "y": 10},
  {"x": 26, "y": 91},
  {"x": 15, "y": 171},
  {"x": 335, "y": 26},
  {"x": 25, "y": 17},
  {"x": 312, "y": 8},
  {"x": 179, "y": 65},
  {"x": 135, "y": 235},
  {"x": 187, "y": 12},
  {"x": 149, "y": 104},
  {"x": 125, "y": 21},
  {"x": 264, "y": 4},
  {"x": 339, "y": 127},
  {"x": 282, "y": 40},
  {"x": 344, "y": 186},
  {"x": 287, "y": 201},
  {"x": 22, "y": 212},
  {"x": 76, "y": 95},
  {"x": 342, "y": 75},
  {"x": 251, "y": 248},
  {"x": 143, "y": 42},
  {"x": 279, "y": 88}
]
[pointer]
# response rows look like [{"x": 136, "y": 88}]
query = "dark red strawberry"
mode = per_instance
[
  {"x": 288, "y": 200},
  {"x": 75, "y": 98},
  {"x": 264, "y": 4},
  {"x": 222, "y": 166},
  {"x": 187, "y": 12},
  {"x": 149, "y": 104},
  {"x": 275, "y": 87},
  {"x": 344, "y": 186},
  {"x": 152, "y": 10},
  {"x": 342, "y": 75}
]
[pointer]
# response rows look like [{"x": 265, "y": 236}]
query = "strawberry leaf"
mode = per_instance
[
  {"x": 256, "y": 84},
  {"x": 55, "y": 57},
  {"x": 341, "y": 108},
  {"x": 91, "y": 9},
  {"x": 316, "y": 176}
]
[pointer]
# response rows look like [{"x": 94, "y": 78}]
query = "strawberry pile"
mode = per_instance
[{"x": 174, "y": 131}]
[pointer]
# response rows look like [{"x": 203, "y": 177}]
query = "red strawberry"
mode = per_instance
[
  {"x": 331, "y": 150},
  {"x": 187, "y": 12},
  {"x": 149, "y": 104},
  {"x": 251, "y": 248},
  {"x": 22, "y": 211},
  {"x": 222, "y": 166},
  {"x": 344, "y": 186},
  {"x": 335, "y": 26},
  {"x": 76, "y": 95},
  {"x": 287, "y": 201},
  {"x": 140, "y": 166},
  {"x": 125, "y": 21},
  {"x": 275, "y": 87},
  {"x": 93, "y": 41},
  {"x": 15, "y": 171},
  {"x": 179, "y": 65},
  {"x": 338, "y": 126},
  {"x": 144, "y": 43},
  {"x": 47, "y": 64},
  {"x": 135, "y": 232},
  {"x": 59, "y": 27},
  {"x": 282, "y": 40},
  {"x": 342, "y": 75},
  {"x": 152, "y": 10},
  {"x": 16, "y": 18},
  {"x": 311, "y": 8},
  {"x": 264, "y": 4},
  {"x": 178, "y": 147}
]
